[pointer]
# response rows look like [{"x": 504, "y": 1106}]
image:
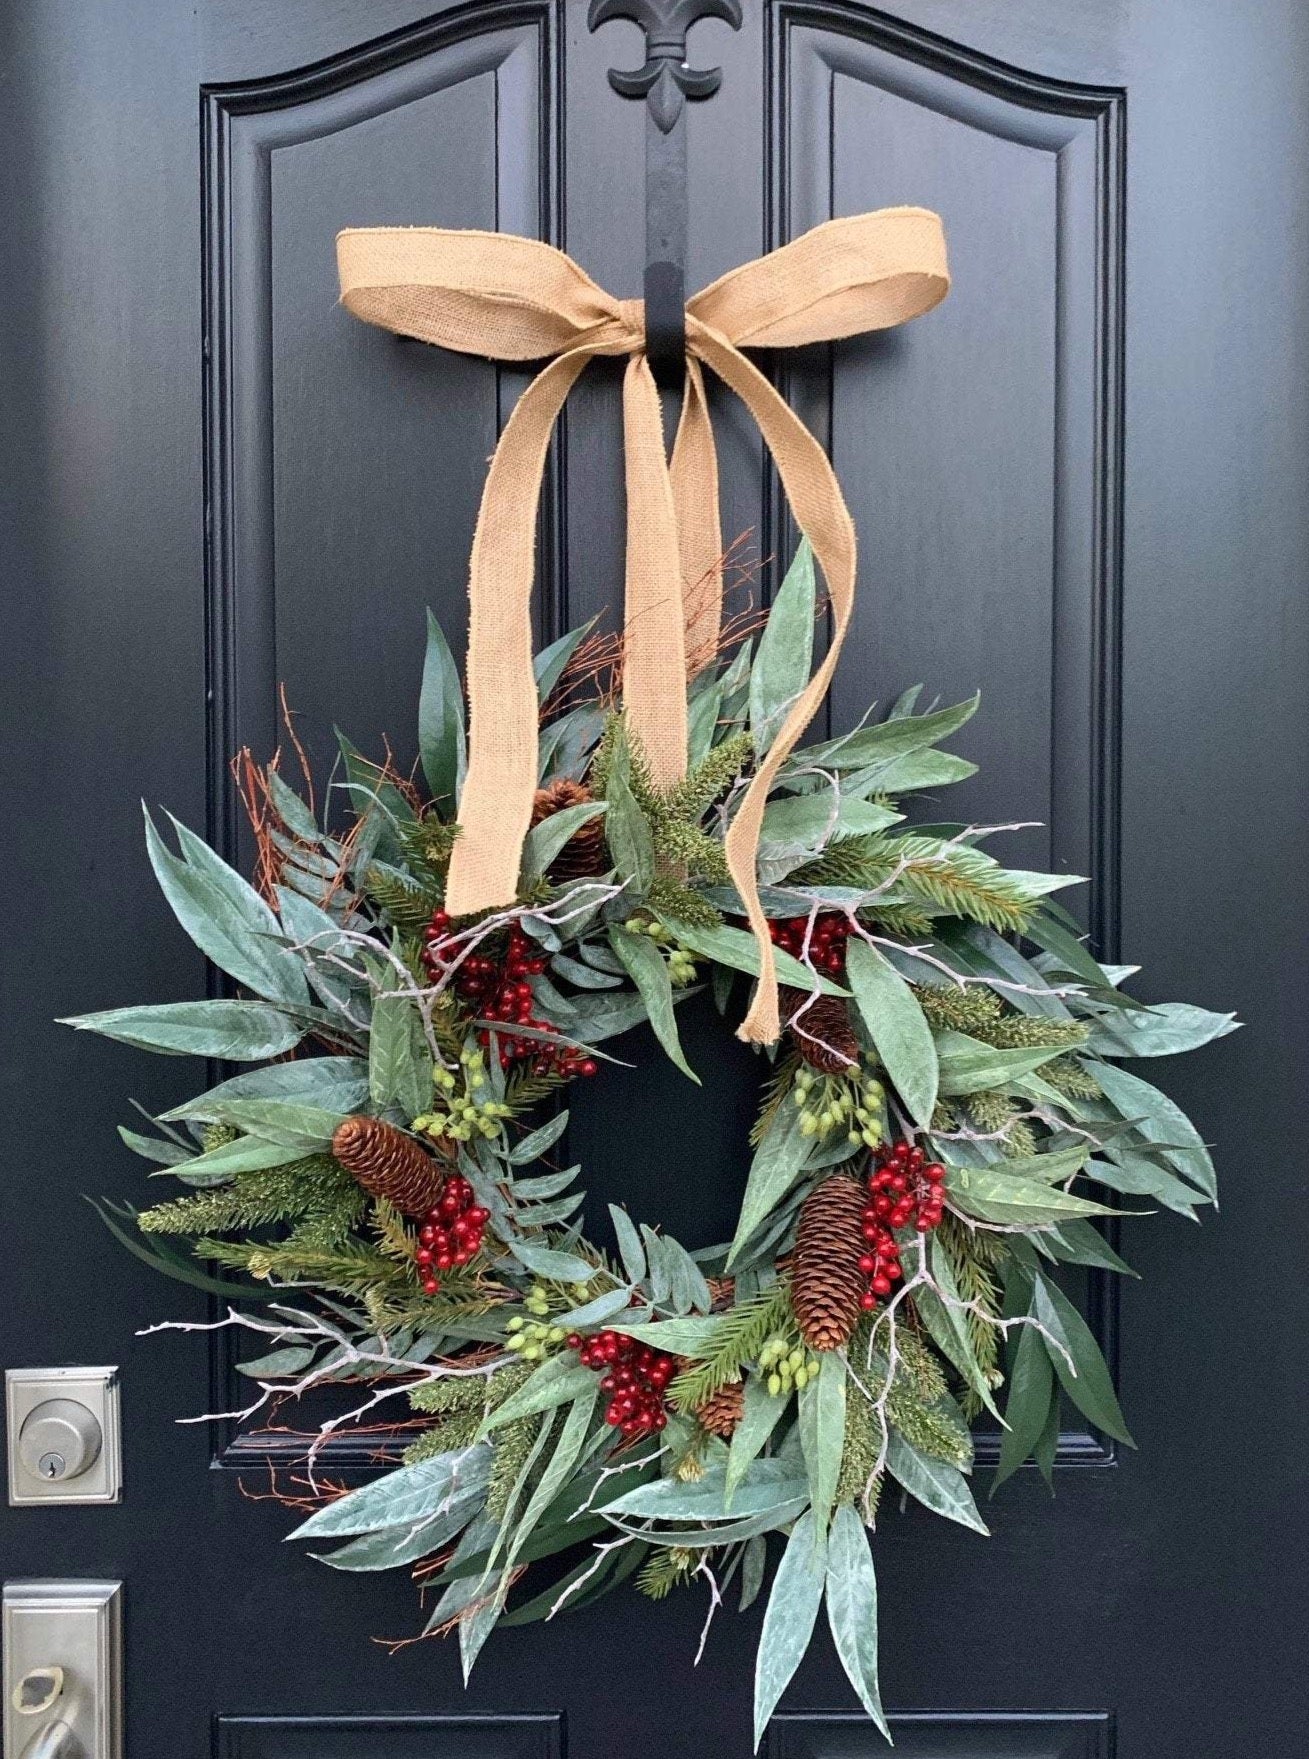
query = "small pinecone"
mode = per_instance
[
  {"x": 826, "y": 1281},
  {"x": 389, "y": 1164},
  {"x": 585, "y": 853},
  {"x": 823, "y": 1034},
  {"x": 721, "y": 1411}
]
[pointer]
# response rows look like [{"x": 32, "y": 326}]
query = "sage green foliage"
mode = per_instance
[
  {"x": 980, "y": 1023},
  {"x": 742, "y": 1334}
]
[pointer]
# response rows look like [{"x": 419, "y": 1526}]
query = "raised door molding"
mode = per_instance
[
  {"x": 945, "y": 1735},
  {"x": 454, "y": 122}
]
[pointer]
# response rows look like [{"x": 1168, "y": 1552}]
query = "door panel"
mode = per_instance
[{"x": 1079, "y": 485}]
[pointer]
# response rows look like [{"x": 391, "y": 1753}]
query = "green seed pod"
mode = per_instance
[
  {"x": 808, "y": 1124},
  {"x": 533, "y": 1353},
  {"x": 516, "y": 1323},
  {"x": 801, "y": 1379},
  {"x": 774, "y": 1385},
  {"x": 795, "y": 1360}
]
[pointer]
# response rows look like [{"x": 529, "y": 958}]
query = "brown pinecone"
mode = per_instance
[
  {"x": 389, "y": 1164},
  {"x": 721, "y": 1411},
  {"x": 826, "y": 1281},
  {"x": 822, "y": 1034},
  {"x": 585, "y": 853}
]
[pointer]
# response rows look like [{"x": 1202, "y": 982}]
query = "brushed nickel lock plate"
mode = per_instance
[
  {"x": 62, "y": 1433},
  {"x": 63, "y": 1670}
]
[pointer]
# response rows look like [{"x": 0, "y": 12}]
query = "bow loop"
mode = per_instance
[{"x": 510, "y": 298}]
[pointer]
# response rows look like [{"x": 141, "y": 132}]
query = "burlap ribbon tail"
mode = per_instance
[{"x": 510, "y": 298}]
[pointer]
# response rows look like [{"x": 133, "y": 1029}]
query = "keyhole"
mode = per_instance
[{"x": 51, "y": 1465}]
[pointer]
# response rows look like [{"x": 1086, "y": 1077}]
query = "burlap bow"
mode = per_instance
[{"x": 510, "y": 298}]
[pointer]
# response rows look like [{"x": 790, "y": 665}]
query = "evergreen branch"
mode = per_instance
[
  {"x": 253, "y": 1200},
  {"x": 667, "y": 1567},
  {"x": 973, "y": 1258},
  {"x": 746, "y": 1328},
  {"x": 674, "y": 899},
  {"x": 404, "y": 903},
  {"x": 1071, "y": 1077}
]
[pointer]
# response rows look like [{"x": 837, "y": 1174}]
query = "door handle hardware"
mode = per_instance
[
  {"x": 55, "y": 1742},
  {"x": 38, "y": 1690},
  {"x": 63, "y": 1435},
  {"x": 63, "y": 1680}
]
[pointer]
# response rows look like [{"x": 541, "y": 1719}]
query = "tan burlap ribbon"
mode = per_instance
[{"x": 512, "y": 298}]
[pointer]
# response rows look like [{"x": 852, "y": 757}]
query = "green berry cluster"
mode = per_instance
[
  {"x": 469, "y": 1109},
  {"x": 681, "y": 960},
  {"x": 533, "y": 1339},
  {"x": 787, "y": 1366},
  {"x": 851, "y": 1102}
]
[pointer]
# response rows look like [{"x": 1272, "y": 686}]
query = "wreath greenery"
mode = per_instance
[{"x": 939, "y": 1128}]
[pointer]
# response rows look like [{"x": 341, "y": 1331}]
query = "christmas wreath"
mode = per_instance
[{"x": 944, "y": 1122}]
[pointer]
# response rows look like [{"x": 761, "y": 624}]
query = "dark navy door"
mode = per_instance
[{"x": 1081, "y": 484}]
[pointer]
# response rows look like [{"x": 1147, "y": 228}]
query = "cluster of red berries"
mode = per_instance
[
  {"x": 500, "y": 990},
  {"x": 903, "y": 1189},
  {"x": 827, "y": 939},
  {"x": 906, "y": 1188},
  {"x": 635, "y": 1379},
  {"x": 451, "y": 1233}
]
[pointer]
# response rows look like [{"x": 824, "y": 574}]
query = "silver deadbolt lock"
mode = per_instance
[
  {"x": 60, "y": 1438},
  {"x": 62, "y": 1426}
]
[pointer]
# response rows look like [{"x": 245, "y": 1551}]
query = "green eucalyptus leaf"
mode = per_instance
[
  {"x": 888, "y": 740},
  {"x": 225, "y": 917},
  {"x": 308, "y": 1129},
  {"x": 1086, "y": 1378},
  {"x": 648, "y": 970},
  {"x": 790, "y": 1617},
  {"x": 1160, "y": 1121},
  {"x": 969, "y": 1066},
  {"x": 852, "y": 1609},
  {"x": 785, "y": 654},
  {"x": 339, "y": 1084},
  {"x": 399, "y": 1060},
  {"x": 558, "y": 1381},
  {"x": 404, "y": 1496},
  {"x": 993, "y": 1194},
  {"x": 897, "y": 1026},
  {"x": 627, "y": 831},
  {"x": 777, "y": 1164},
  {"x": 544, "y": 841},
  {"x": 822, "y": 1434},
  {"x": 237, "y": 1032},
  {"x": 938, "y": 1486},
  {"x": 546, "y": 1261},
  {"x": 1031, "y": 1387},
  {"x": 694, "y": 1335},
  {"x": 1163, "y": 1030},
  {"x": 737, "y": 948},
  {"x": 535, "y": 1144},
  {"x": 551, "y": 663},
  {"x": 629, "y": 1244},
  {"x": 759, "y": 1417},
  {"x": 1080, "y": 1242},
  {"x": 441, "y": 738}
]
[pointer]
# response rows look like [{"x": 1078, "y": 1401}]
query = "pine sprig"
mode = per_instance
[
  {"x": 254, "y": 1200},
  {"x": 674, "y": 814},
  {"x": 860, "y": 1452},
  {"x": 746, "y": 1328},
  {"x": 953, "y": 879},
  {"x": 404, "y": 903},
  {"x": 1071, "y": 1077},
  {"x": 667, "y": 1567},
  {"x": 973, "y": 1259},
  {"x": 674, "y": 899}
]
